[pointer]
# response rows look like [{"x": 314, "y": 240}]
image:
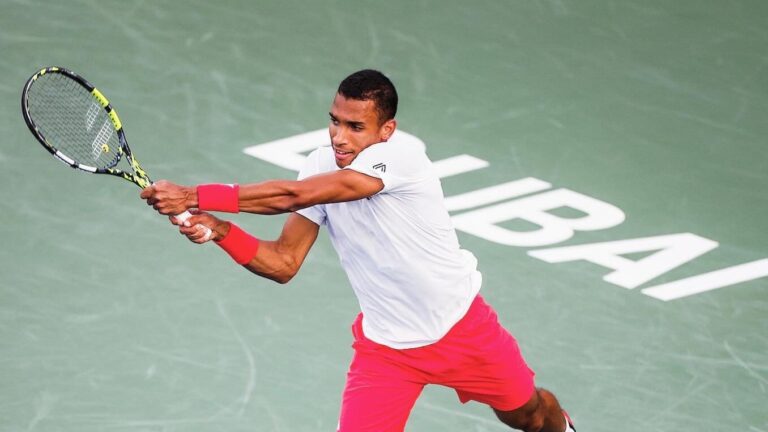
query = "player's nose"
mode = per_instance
[{"x": 337, "y": 136}]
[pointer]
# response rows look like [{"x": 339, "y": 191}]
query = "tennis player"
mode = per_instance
[{"x": 422, "y": 320}]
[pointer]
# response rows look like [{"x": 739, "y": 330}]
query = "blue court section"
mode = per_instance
[{"x": 109, "y": 321}]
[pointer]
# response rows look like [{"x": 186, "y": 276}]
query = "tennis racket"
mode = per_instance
[{"x": 77, "y": 124}]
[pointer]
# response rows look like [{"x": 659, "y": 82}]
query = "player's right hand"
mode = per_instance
[{"x": 169, "y": 198}]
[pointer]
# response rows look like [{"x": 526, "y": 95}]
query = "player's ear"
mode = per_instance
[{"x": 387, "y": 129}]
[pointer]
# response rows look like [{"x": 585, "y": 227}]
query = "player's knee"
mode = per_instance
[
  {"x": 530, "y": 423},
  {"x": 531, "y": 417}
]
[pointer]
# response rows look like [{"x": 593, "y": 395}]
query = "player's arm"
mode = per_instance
[
  {"x": 269, "y": 197},
  {"x": 278, "y": 260},
  {"x": 280, "y": 196}
]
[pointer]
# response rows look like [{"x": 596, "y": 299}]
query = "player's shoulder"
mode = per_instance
[
  {"x": 402, "y": 153},
  {"x": 321, "y": 159},
  {"x": 320, "y": 153},
  {"x": 403, "y": 158},
  {"x": 397, "y": 147}
]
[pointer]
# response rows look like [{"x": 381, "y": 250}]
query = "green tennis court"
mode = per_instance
[{"x": 645, "y": 120}]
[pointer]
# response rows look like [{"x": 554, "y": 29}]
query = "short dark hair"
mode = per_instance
[{"x": 369, "y": 84}]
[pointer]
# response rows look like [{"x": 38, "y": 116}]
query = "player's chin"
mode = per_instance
[{"x": 345, "y": 162}]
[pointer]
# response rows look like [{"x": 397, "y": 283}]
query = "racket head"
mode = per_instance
[{"x": 77, "y": 124}]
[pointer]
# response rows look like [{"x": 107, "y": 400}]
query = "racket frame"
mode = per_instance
[{"x": 138, "y": 177}]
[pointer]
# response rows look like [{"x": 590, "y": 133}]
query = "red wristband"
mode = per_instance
[
  {"x": 218, "y": 197},
  {"x": 240, "y": 245}
]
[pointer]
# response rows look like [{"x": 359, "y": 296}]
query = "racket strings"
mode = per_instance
[{"x": 73, "y": 122}]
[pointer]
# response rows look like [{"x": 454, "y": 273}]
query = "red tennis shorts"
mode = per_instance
[{"x": 478, "y": 358}]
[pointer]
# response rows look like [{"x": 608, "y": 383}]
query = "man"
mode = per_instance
[{"x": 422, "y": 319}]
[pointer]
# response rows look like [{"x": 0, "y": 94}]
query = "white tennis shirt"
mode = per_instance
[{"x": 398, "y": 247}]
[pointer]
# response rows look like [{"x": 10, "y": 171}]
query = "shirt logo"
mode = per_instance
[{"x": 381, "y": 167}]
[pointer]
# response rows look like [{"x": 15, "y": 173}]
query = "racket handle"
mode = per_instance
[{"x": 186, "y": 215}]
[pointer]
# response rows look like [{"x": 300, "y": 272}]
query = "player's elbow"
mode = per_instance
[
  {"x": 287, "y": 270},
  {"x": 284, "y": 278}
]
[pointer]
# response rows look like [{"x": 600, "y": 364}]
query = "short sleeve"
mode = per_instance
[{"x": 398, "y": 165}]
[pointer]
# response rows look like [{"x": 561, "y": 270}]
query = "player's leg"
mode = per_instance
[
  {"x": 493, "y": 371},
  {"x": 542, "y": 413},
  {"x": 376, "y": 403},
  {"x": 380, "y": 392}
]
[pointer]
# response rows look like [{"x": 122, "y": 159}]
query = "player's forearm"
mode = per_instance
[
  {"x": 270, "y": 263},
  {"x": 264, "y": 258},
  {"x": 283, "y": 196},
  {"x": 266, "y": 198},
  {"x": 271, "y": 197},
  {"x": 278, "y": 260}
]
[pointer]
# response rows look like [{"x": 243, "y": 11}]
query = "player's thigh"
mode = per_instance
[
  {"x": 489, "y": 367},
  {"x": 378, "y": 396}
]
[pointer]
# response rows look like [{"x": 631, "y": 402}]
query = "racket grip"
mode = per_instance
[{"x": 186, "y": 215}]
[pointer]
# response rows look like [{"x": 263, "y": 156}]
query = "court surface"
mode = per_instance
[{"x": 110, "y": 321}]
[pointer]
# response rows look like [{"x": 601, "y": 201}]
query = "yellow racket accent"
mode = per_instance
[
  {"x": 137, "y": 169},
  {"x": 115, "y": 119},
  {"x": 100, "y": 97}
]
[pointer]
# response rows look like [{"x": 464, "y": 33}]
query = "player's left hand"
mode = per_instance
[
  {"x": 169, "y": 198},
  {"x": 194, "y": 227}
]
